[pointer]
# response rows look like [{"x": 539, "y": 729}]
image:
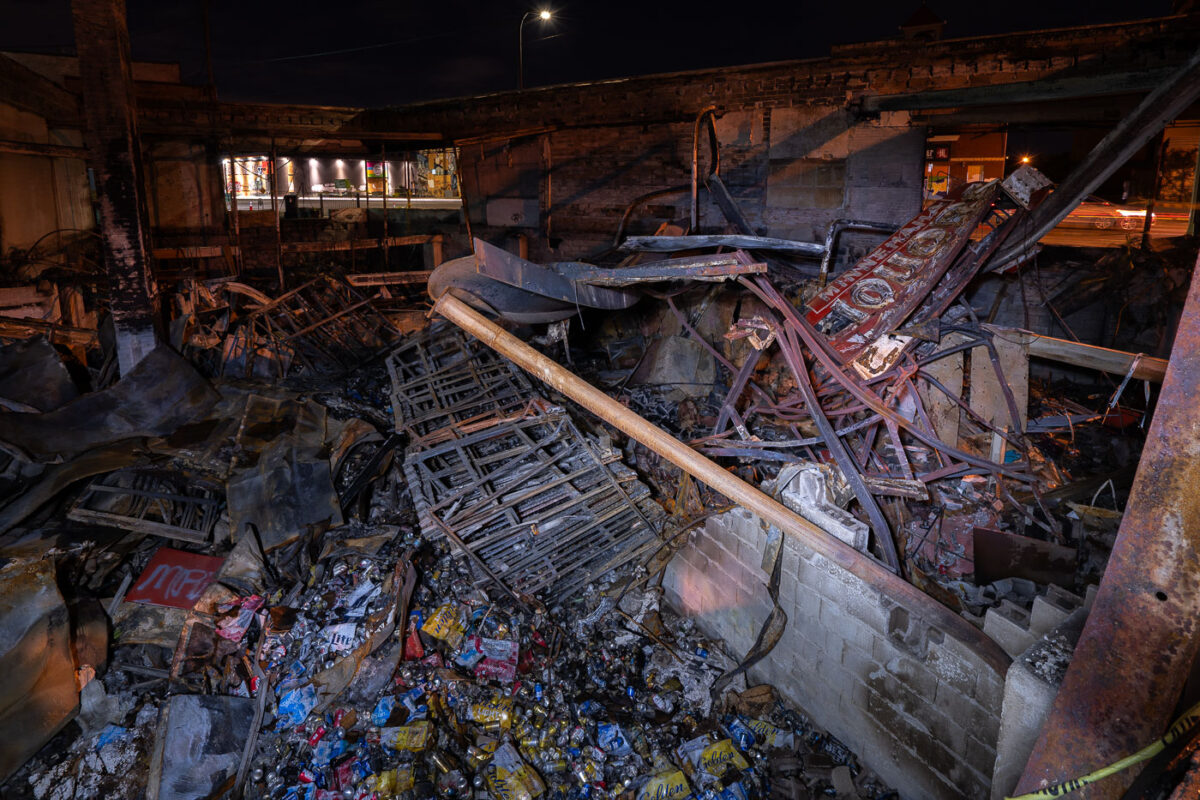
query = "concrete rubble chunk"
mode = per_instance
[{"x": 819, "y": 494}]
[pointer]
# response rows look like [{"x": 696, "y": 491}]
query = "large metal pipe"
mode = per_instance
[{"x": 737, "y": 490}]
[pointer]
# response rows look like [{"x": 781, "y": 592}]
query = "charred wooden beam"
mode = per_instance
[
  {"x": 35, "y": 149},
  {"x": 114, "y": 154},
  {"x": 1117, "y": 362}
]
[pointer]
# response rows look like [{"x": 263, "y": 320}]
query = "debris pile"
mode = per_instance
[
  {"x": 300, "y": 609},
  {"x": 342, "y": 562}
]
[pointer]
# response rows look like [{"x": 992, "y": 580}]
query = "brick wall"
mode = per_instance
[
  {"x": 584, "y": 178},
  {"x": 868, "y": 68},
  {"x": 919, "y": 706},
  {"x": 599, "y": 145}
]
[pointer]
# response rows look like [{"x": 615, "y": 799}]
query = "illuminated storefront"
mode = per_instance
[{"x": 425, "y": 175}]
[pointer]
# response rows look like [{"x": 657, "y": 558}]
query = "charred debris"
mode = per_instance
[{"x": 344, "y": 541}]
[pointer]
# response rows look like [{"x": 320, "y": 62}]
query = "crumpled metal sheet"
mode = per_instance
[
  {"x": 38, "y": 694},
  {"x": 459, "y": 277},
  {"x": 199, "y": 746},
  {"x": 159, "y": 395},
  {"x": 547, "y": 281},
  {"x": 285, "y": 488},
  {"x": 31, "y": 373}
]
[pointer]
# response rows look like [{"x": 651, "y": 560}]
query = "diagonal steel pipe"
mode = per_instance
[{"x": 737, "y": 490}]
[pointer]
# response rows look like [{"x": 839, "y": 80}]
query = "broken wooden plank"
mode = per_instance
[
  {"x": 944, "y": 412},
  {"x": 987, "y": 396},
  {"x": 20, "y": 328},
  {"x": 388, "y": 278}
]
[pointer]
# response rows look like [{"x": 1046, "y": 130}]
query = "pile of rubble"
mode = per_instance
[
  {"x": 301, "y": 555},
  {"x": 300, "y": 609}
]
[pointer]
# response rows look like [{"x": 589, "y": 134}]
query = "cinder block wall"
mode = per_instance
[{"x": 920, "y": 707}]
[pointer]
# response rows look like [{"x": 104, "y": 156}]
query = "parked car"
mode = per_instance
[{"x": 1096, "y": 213}]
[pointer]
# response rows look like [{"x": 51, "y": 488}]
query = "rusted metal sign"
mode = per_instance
[
  {"x": 881, "y": 290},
  {"x": 174, "y": 578}
]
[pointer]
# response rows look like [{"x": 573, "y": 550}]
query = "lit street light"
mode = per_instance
[{"x": 544, "y": 16}]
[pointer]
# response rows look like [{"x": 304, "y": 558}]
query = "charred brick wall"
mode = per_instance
[{"x": 919, "y": 706}]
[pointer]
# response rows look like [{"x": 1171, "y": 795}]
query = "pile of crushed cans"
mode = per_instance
[
  {"x": 491, "y": 699},
  {"x": 388, "y": 669}
]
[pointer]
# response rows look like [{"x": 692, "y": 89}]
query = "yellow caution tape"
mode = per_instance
[{"x": 1178, "y": 728}]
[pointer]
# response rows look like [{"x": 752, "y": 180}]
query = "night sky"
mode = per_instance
[{"x": 390, "y": 52}]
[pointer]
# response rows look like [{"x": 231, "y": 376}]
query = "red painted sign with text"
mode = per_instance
[
  {"x": 876, "y": 295},
  {"x": 174, "y": 578}
]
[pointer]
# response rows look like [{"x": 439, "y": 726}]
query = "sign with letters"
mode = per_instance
[
  {"x": 878, "y": 293},
  {"x": 174, "y": 578}
]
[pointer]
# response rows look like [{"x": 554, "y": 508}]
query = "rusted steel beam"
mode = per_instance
[
  {"x": 1141, "y": 639},
  {"x": 114, "y": 154},
  {"x": 687, "y": 459}
]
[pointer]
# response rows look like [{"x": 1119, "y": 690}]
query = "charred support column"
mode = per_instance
[
  {"x": 114, "y": 154},
  {"x": 1141, "y": 638}
]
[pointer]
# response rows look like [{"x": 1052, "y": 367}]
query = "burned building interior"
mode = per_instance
[{"x": 784, "y": 428}]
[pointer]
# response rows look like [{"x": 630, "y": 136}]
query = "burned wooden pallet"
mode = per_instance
[
  {"x": 160, "y": 503},
  {"x": 326, "y": 325},
  {"x": 545, "y": 508},
  {"x": 444, "y": 381}
]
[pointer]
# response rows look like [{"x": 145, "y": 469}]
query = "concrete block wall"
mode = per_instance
[
  {"x": 919, "y": 706},
  {"x": 592, "y": 174}
]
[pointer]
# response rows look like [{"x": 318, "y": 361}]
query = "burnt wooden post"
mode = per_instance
[{"x": 114, "y": 154}]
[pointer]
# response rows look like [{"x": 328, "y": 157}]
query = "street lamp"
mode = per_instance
[{"x": 544, "y": 15}]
